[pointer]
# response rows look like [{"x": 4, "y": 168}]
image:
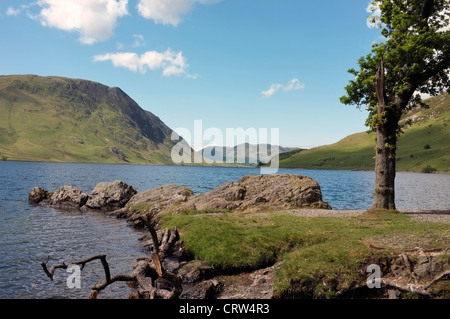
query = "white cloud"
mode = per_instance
[
  {"x": 94, "y": 20},
  {"x": 292, "y": 85},
  {"x": 168, "y": 11},
  {"x": 271, "y": 91},
  {"x": 139, "y": 40},
  {"x": 170, "y": 62},
  {"x": 12, "y": 12}
]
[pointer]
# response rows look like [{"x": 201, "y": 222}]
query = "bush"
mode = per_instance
[
  {"x": 427, "y": 146},
  {"x": 428, "y": 169}
]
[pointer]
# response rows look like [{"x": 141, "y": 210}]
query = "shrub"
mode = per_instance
[{"x": 429, "y": 169}]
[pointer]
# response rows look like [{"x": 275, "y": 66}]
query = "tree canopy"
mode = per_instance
[{"x": 415, "y": 54}]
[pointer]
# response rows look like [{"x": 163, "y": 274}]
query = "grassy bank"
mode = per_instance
[{"x": 310, "y": 253}]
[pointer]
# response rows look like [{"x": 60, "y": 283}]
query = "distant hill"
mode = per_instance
[
  {"x": 71, "y": 120},
  {"x": 254, "y": 154},
  {"x": 424, "y": 143}
]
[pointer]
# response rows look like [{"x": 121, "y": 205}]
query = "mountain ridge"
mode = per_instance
[
  {"x": 253, "y": 153},
  {"x": 61, "y": 119}
]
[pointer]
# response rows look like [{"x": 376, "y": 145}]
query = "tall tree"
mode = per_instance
[{"x": 413, "y": 59}]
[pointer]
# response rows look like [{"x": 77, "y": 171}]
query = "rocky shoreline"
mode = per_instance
[{"x": 298, "y": 195}]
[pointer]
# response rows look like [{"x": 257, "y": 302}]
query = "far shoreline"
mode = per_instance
[{"x": 215, "y": 166}]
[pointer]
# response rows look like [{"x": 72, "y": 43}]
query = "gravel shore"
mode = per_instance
[{"x": 438, "y": 216}]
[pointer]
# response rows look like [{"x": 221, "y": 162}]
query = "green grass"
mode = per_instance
[
  {"x": 356, "y": 152},
  {"x": 311, "y": 250}
]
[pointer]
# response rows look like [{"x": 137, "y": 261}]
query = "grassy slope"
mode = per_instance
[
  {"x": 41, "y": 124},
  {"x": 356, "y": 152},
  {"x": 312, "y": 251}
]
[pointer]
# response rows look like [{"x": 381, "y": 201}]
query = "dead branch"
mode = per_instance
[
  {"x": 168, "y": 239},
  {"x": 145, "y": 272},
  {"x": 81, "y": 262},
  {"x": 151, "y": 228},
  {"x": 437, "y": 278}
]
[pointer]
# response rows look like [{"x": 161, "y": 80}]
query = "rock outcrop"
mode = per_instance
[
  {"x": 251, "y": 193},
  {"x": 259, "y": 192},
  {"x": 38, "y": 194},
  {"x": 106, "y": 196},
  {"x": 68, "y": 196},
  {"x": 110, "y": 196},
  {"x": 154, "y": 203}
]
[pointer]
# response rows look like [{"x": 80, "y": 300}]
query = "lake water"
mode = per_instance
[{"x": 29, "y": 234}]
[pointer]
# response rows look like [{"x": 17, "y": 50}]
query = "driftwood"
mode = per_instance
[{"x": 145, "y": 274}]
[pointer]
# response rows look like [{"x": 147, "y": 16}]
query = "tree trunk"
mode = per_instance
[{"x": 384, "y": 193}]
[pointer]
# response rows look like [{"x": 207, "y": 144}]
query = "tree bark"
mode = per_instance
[{"x": 384, "y": 193}]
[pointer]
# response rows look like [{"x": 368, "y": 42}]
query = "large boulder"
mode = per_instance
[
  {"x": 110, "y": 196},
  {"x": 38, "y": 194},
  {"x": 154, "y": 203},
  {"x": 282, "y": 191},
  {"x": 260, "y": 192},
  {"x": 68, "y": 196}
]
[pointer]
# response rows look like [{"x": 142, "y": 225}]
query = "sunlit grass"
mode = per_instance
[{"x": 311, "y": 250}]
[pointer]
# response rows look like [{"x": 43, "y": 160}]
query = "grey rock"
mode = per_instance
[
  {"x": 110, "y": 196},
  {"x": 258, "y": 192},
  {"x": 154, "y": 203},
  {"x": 68, "y": 196},
  {"x": 38, "y": 194}
]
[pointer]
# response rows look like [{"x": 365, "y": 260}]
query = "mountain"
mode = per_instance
[
  {"x": 424, "y": 144},
  {"x": 72, "y": 120},
  {"x": 251, "y": 154}
]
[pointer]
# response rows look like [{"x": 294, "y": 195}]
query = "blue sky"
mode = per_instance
[{"x": 231, "y": 63}]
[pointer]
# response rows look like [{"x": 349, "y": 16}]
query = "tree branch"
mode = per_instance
[
  {"x": 50, "y": 272},
  {"x": 145, "y": 272}
]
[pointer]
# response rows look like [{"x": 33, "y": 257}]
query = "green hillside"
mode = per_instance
[
  {"x": 68, "y": 120},
  {"x": 424, "y": 143}
]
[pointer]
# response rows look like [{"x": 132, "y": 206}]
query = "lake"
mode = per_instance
[{"x": 30, "y": 234}]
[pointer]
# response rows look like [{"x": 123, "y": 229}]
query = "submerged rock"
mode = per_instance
[{"x": 110, "y": 196}]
